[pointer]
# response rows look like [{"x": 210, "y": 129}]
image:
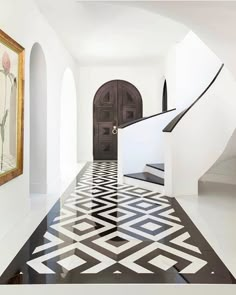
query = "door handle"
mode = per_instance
[{"x": 114, "y": 130}]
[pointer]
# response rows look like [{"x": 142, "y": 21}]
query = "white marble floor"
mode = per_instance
[
  {"x": 214, "y": 213},
  {"x": 104, "y": 232},
  {"x": 40, "y": 206},
  {"x": 132, "y": 289}
]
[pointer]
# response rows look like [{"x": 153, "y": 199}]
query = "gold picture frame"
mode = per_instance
[{"x": 11, "y": 108}]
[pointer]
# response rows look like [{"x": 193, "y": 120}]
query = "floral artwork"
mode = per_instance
[
  {"x": 11, "y": 108},
  {"x": 7, "y": 124}
]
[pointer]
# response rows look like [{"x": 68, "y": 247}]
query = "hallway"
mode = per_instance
[
  {"x": 117, "y": 147},
  {"x": 104, "y": 232}
]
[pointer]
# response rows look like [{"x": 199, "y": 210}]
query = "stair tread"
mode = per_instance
[
  {"x": 145, "y": 176},
  {"x": 160, "y": 166}
]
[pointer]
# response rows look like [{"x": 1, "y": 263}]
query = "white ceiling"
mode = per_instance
[
  {"x": 213, "y": 21},
  {"x": 111, "y": 32}
]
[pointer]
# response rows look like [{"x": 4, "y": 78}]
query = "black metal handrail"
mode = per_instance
[{"x": 173, "y": 123}]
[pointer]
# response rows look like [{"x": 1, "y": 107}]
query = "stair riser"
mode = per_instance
[
  {"x": 144, "y": 184},
  {"x": 154, "y": 171}
]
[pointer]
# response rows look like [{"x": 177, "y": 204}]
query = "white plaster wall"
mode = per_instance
[
  {"x": 68, "y": 126},
  {"x": 224, "y": 172},
  {"x": 196, "y": 66},
  {"x": 201, "y": 137},
  {"x": 224, "y": 169},
  {"x": 23, "y": 22},
  {"x": 170, "y": 76},
  {"x": 189, "y": 66},
  {"x": 38, "y": 121},
  {"x": 148, "y": 80},
  {"x": 142, "y": 143}
]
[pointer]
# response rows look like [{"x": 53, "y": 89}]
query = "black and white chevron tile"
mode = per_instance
[{"x": 105, "y": 232}]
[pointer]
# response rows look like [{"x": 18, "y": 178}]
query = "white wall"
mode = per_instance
[
  {"x": 148, "y": 80},
  {"x": 224, "y": 172},
  {"x": 196, "y": 66},
  {"x": 28, "y": 27},
  {"x": 170, "y": 76},
  {"x": 189, "y": 67},
  {"x": 38, "y": 121},
  {"x": 142, "y": 143},
  {"x": 201, "y": 137},
  {"x": 68, "y": 126},
  {"x": 186, "y": 146},
  {"x": 224, "y": 169}
]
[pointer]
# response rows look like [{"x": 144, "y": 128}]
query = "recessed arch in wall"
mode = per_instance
[
  {"x": 38, "y": 120},
  {"x": 68, "y": 125},
  {"x": 165, "y": 97}
]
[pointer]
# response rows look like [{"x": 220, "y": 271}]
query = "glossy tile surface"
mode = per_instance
[
  {"x": 145, "y": 176},
  {"x": 110, "y": 233}
]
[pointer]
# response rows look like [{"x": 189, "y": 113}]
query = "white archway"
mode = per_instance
[
  {"x": 68, "y": 126},
  {"x": 38, "y": 120}
]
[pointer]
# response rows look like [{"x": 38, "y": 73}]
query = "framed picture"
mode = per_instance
[{"x": 11, "y": 108}]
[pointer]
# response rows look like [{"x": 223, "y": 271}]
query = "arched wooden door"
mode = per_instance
[{"x": 116, "y": 102}]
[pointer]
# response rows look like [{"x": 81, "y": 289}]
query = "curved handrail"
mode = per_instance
[
  {"x": 122, "y": 126},
  {"x": 173, "y": 123}
]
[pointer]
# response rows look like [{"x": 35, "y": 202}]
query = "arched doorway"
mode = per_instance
[
  {"x": 38, "y": 121},
  {"x": 68, "y": 126},
  {"x": 164, "y": 98},
  {"x": 116, "y": 102}
]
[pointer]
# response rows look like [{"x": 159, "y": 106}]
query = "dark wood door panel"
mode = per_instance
[
  {"x": 115, "y": 103},
  {"x": 129, "y": 114},
  {"x": 107, "y": 142},
  {"x": 129, "y": 102},
  {"x": 105, "y": 130},
  {"x": 106, "y": 150},
  {"x": 105, "y": 114}
]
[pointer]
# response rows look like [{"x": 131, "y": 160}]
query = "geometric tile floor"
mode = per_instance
[{"x": 110, "y": 233}]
